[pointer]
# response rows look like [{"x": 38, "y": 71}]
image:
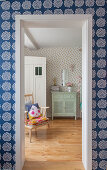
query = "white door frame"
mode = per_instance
[{"x": 55, "y": 21}]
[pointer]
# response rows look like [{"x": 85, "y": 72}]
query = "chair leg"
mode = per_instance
[{"x": 30, "y": 134}]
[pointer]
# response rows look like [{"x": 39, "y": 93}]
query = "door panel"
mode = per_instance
[
  {"x": 35, "y": 78},
  {"x": 40, "y": 96},
  {"x": 29, "y": 79}
]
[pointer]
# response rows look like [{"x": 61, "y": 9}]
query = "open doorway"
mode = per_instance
[
  {"x": 53, "y": 71},
  {"x": 64, "y": 74}
]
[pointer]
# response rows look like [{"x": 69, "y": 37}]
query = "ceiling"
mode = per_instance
[{"x": 53, "y": 37}]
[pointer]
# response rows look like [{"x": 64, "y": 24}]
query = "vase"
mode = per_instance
[{"x": 69, "y": 89}]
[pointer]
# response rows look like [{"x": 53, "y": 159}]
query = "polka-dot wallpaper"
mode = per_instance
[
  {"x": 58, "y": 59},
  {"x": 8, "y": 10}
]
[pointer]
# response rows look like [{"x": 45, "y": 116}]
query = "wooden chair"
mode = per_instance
[{"x": 29, "y": 97}]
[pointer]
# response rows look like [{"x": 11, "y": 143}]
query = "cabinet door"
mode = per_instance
[
  {"x": 70, "y": 106},
  {"x": 58, "y": 107}
]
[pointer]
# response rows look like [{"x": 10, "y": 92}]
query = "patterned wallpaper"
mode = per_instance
[
  {"x": 58, "y": 59},
  {"x": 8, "y": 10}
]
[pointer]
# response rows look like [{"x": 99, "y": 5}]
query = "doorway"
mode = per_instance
[{"x": 62, "y": 21}]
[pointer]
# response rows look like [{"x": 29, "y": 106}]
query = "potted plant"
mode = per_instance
[{"x": 69, "y": 85}]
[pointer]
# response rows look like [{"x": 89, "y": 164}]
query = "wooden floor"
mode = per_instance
[{"x": 55, "y": 148}]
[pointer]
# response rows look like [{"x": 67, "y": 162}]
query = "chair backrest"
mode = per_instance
[{"x": 29, "y": 98}]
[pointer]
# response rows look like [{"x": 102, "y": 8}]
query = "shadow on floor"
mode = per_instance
[{"x": 57, "y": 165}]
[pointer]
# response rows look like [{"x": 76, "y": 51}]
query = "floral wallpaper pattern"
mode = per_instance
[{"x": 8, "y": 10}]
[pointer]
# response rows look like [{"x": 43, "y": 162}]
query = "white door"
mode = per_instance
[
  {"x": 29, "y": 81},
  {"x": 35, "y": 78},
  {"x": 40, "y": 84}
]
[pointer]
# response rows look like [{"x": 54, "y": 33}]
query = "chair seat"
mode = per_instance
[{"x": 37, "y": 121}]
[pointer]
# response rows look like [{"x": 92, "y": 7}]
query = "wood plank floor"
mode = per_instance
[{"x": 55, "y": 148}]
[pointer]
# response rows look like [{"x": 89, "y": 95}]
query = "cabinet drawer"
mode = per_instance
[
  {"x": 57, "y": 96},
  {"x": 58, "y": 107},
  {"x": 70, "y": 106},
  {"x": 69, "y": 96},
  {"x": 64, "y": 114}
]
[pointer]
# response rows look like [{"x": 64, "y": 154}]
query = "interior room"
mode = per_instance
[{"x": 53, "y": 83}]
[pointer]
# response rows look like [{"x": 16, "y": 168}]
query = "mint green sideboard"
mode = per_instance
[{"x": 64, "y": 104}]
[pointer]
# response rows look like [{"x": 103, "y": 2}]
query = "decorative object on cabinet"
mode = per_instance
[
  {"x": 33, "y": 123},
  {"x": 54, "y": 81},
  {"x": 62, "y": 88},
  {"x": 69, "y": 86},
  {"x": 64, "y": 104},
  {"x": 69, "y": 89},
  {"x": 64, "y": 77},
  {"x": 55, "y": 88}
]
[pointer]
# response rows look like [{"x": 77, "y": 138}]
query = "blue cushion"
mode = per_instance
[{"x": 28, "y": 106}]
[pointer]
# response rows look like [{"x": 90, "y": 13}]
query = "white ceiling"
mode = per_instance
[
  {"x": 28, "y": 42},
  {"x": 53, "y": 37}
]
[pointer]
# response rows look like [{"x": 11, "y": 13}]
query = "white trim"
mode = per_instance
[
  {"x": 62, "y": 21},
  {"x": 87, "y": 94},
  {"x": 19, "y": 94}
]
